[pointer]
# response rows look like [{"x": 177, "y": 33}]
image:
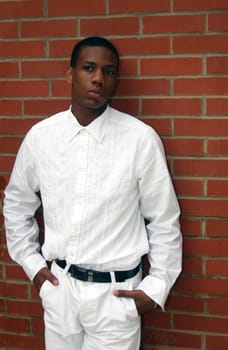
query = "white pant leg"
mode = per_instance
[
  {"x": 55, "y": 341},
  {"x": 61, "y": 313},
  {"x": 110, "y": 323},
  {"x": 86, "y": 316}
]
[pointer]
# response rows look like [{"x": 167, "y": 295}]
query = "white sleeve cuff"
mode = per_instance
[
  {"x": 32, "y": 264},
  {"x": 156, "y": 289}
]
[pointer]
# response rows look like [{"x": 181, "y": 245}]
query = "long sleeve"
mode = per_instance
[
  {"x": 160, "y": 208},
  {"x": 20, "y": 205}
]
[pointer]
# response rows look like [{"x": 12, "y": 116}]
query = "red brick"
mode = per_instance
[
  {"x": 19, "y": 341},
  {"x": 9, "y": 108},
  {"x": 20, "y": 88},
  {"x": 110, "y": 26},
  {"x": 1, "y": 305},
  {"x": 200, "y": 323},
  {"x": 171, "y": 106},
  {"x": 201, "y": 167},
  {"x": 185, "y": 304},
  {"x": 61, "y": 47},
  {"x": 17, "y": 9},
  {"x": 192, "y": 266},
  {"x": 200, "y": 43},
  {"x": 4, "y": 251},
  {"x": 60, "y": 88},
  {"x": 181, "y": 147},
  {"x": 128, "y": 67},
  {"x": 142, "y": 46},
  {"x": 45, "y": 107},
  {"x": 204, "y": 207},
  {"x": 34, "y": 293},
  {"x": 16, "y": 49},
  {"x": 217, "y": 227},
  {"x": 173, "y": 23},
  {"x": 204, "y": 286},
  {"x": 217, "y": 147},
  {"x": 135, "y": 87},
  {"x": 162, "y": 126},
  {"x": 15, "y": 272},
  {"x": 49, "y": 28},
  {"x": 13, "y": 289},
  {"x": 78, "y": 8},
  {"x": 1, "y": 216},
  {"x": 45, "y": 69},
  {"x": 189, "y": 187},
  {"x": 205, "y": 247},
  {"x": 217, "y": 106},
  {"x": 217, "y": 188},
  {"x": 37, "y": 326},
  {"x": 201, "y": 86},
  {"x": 191, "y": 227},
  {"x": 161, "y": 320},
  {"x": 6, "y": 163},
  {"x": 16, "y": 126},
  {"x": 217, "y": 267},
  {"x": 201, "y": 127},
  {"x": 194, "y": 5},
  {"x": 9, "y": 144},
  {"x": 170, "y": 66},
  {"x": 9, "y": 69},
  {"x": 173, "y": 339},
  {"x": 8, "y": 29},
  {"x": 218, "y": 306},
  {"x": 217, "y": 65},
  {"x": 218, "y": 22},
  {"x": 135, "y": 6},
  {"x": 216, "y": 342},
  {"x": 15, "y": 325},
  {"x": 127, "y": 105},
  {"x": 24, "y": 308}
]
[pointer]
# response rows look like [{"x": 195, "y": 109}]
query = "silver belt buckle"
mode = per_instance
[{"x": 90, "y": 276}]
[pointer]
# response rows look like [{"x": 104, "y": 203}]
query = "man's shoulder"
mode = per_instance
[
  {"x": 129, "y": 121},
  {"x": 53, "y": 120}
]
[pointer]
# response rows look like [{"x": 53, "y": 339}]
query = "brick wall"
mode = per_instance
[{"x": 174, "y": 77}]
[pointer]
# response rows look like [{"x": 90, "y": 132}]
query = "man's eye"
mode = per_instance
[
  {"x": 109, "y": 72},
  {"x": 88, "y": 68}
]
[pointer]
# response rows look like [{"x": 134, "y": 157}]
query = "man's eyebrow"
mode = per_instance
[
  {"x": 89, "y": 62},
  {"x": 109, "y": 65}
]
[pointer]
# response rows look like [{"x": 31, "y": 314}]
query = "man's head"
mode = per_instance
[
  {"x": 93, "y": 76},
  {"x": 92, "y": 41}
]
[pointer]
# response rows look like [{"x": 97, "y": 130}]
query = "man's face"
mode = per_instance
[{"x": 93, "y": 79}]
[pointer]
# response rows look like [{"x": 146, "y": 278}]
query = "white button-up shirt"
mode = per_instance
[{"x": 97, "y": 184}]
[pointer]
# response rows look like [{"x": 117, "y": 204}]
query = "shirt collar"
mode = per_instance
[{"x": 97, "y": 128}]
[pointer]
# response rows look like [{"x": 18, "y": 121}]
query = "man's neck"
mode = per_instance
[{"x": 86, "y": 117}]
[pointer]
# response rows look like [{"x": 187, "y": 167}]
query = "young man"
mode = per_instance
[{"x": 100, "y": 174}]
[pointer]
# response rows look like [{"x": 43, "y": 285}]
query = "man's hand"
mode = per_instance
[
  {"x": 43, "y": 275},
  {"x": 142, "y": 301}
]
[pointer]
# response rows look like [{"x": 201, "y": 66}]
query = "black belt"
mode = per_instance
[{"x": 96, "y": 276}]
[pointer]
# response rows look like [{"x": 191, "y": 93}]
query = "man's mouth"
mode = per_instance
[{"x": 95, "y": 93}]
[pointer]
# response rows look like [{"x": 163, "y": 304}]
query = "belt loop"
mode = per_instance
[
  {"x": 113, "y": 277},
  {"x": 66, "y": 269}
]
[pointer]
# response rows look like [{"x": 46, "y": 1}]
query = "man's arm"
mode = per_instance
[
  {"x": 160, "y": 208},
  {"x": 20, "y": 205}
]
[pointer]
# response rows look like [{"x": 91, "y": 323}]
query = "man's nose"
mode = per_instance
[{"x": 98, "y": 76}]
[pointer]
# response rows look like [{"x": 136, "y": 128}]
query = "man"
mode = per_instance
[{"x": 99, "y": 174}]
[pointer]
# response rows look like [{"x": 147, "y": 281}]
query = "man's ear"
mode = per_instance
[{"x": 69, "y": 75}]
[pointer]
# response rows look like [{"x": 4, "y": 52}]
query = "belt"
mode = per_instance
[{"x": 96, "y": 276}]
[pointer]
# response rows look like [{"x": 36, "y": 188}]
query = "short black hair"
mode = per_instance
[{"x": 92, "y": 41}]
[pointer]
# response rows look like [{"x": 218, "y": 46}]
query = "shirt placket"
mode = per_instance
[{"x": 80, "y": 192}]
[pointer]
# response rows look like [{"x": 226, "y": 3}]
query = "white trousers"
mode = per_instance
[{"x": 87, "y": 316}]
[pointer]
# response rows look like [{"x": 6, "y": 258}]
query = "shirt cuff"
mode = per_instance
[
  {"x": 33, "y": 264},
  {"x": 155, "y": 289}
]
